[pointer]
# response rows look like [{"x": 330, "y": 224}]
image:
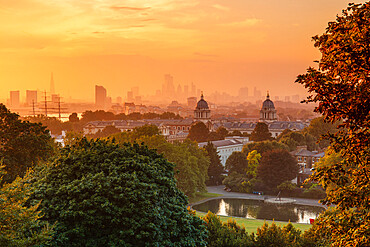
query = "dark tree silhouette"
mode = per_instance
[
  {"x": 261, "y": 133},
  {"x": 198, "y": 132},
  {"x": 22, "y": 144},
  {"x": 237, "y": 162},
  {"x": 276, "y": 167},
  {"x": 215, "y": 169}
]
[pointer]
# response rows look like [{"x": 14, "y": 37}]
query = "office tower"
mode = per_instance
[
  {"x": 193, "y": 89},
  {"x": 192, "y": 102},
  {"x": 108, "y": 102},
  {"x": 119, "y": 100},
  {"x": 55, "y": 98},
  {"x": 243, "y": 93},
  {"x": 31, "y": 97},
  {"x": 135, "y": 91},
  {"x": 257, "y": 93},
  {"x": 168, "y": 88},
  {"x": 14, "y": 99},
  {"x": 287, "y": 98},
  {"x": 179, "y": 91},
  {"x": 52, "y": 87},
  {"x": 100, "y": 97},
  {"x": 186, "y": 90},
  {"x": 130, "y": 96}
]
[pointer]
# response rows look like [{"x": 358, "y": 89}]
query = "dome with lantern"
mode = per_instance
[
  {"x": 202, "y": 111},
  {"x": 268, "y": 111}
]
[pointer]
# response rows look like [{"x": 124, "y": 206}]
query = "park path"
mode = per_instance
[{"x": 220, "y": 190}]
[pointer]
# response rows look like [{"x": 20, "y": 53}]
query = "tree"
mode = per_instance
[
  {"x": 296, "y": 138},
  {"x": 253, "y": 160},
  {"x": 54, "y": 125},
  {"x": 237, "y": 162},
  {"x": 104, "y": 194},
  {"x": 20, "y": 225},
  {"x": 277, "y": 166},
  {"x": 227, "y": 234},
  {"x": 198, "y": 132},
  {"x": 341, "y": 85},
  {"x": 73, "y": 117},
  {"x": 222, "y": 132},
  {"x": 22, "y": 143},
  {"x": 260, "y": 133},
  {"x": 191, "y": 162},
  {"x": 88, "y": 116},
  {"x": 319, "y": 128},
  {"x": 72, "y": 137},
  {"x": 215, "y": 169},
  {"x": 109, "y": 130},
  {"x": 263, "y": 147},
  {"x": 145, "y": 130}
]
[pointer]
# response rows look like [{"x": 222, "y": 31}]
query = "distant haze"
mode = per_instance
[{"x": 218, "y": 45}]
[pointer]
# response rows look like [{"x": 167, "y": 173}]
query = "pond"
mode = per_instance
[{"x": 254, "y": 209}]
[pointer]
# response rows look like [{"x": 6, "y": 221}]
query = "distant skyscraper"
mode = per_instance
[
  {"x": 130, "y": 96},
  {"x": 243, "y": 93},
  {"x": 186, "y": 90},
  {"x": 14, "y": 98},
  {"x": 52, "y": 86},
  {"x": 119, "y": 100},
  {"x": 135, "y": 91},
  {"x": 55, "y": 98},
  {"x": 257, "y": 93},
  {"x": 179, "y": 91},
  {"x": 168, "y": 89},
  {"x": 287, "y": 98},
  {"x": 192, "y": 102},
  {"x": 31, "y": 97},
  {"x": 193, "y": 89},
  {"x": 100, "y": 97}
]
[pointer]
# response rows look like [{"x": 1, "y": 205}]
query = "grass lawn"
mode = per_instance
[
  {"x": 201, "y": 196},
  {"x": 251, "y": 225}
]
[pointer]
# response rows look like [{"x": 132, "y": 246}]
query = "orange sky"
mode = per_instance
[{"x": 219, "y": 45}]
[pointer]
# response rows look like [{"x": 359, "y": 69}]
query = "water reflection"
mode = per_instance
[{"x": 254, "y": 209}]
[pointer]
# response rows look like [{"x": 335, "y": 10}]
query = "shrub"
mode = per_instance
[{"x": 225, "y": 234}]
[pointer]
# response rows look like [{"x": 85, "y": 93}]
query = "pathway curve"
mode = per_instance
[{"x": 225, "y": 194}]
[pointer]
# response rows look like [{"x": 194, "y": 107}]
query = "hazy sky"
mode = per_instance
[{"x": 219, "y": 45}]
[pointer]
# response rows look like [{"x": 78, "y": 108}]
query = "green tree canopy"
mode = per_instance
[
  {"x": 296, "y": 138},
  {"x": 341, "y": 85},
  {"x": 20, "y": 226},
  {"x": 237, "y": 162},
  {"x": 198, "y": 132},
  {"x": 222, "y": 132},
  {"x": 190, "y": 161},
  {"x": 277, "y": 166},
  {"x": 103, "y": 194},
  {"x": 215, "y": 169},
  {"x": 260, "y": 133},
  {"x": 319, "y": 128},
  {"x": 22, "y": 143},
  {"x": 107, "y": 131},
  {"x": 263, "y": 147}
]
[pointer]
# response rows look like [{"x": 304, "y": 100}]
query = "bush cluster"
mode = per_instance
[{"x": 230, "y": 234}]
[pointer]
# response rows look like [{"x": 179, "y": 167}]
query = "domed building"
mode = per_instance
[
  {"x": 268, "y": 111},
  {"x": 202, "y": 112}
]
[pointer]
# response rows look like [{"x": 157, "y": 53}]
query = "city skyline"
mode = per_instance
[{"x": 219, "y": 46}]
